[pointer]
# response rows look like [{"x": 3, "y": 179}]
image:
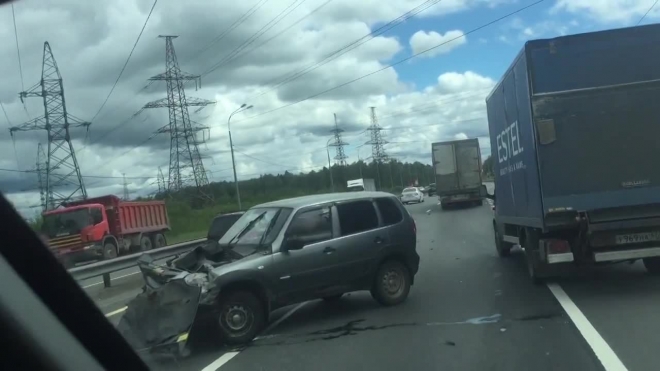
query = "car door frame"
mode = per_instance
[
  {"x": 355, "y": 266},
  {"x": 304, "y": 284}
]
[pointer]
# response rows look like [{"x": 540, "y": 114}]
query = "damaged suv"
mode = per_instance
[{"x": 286, "y": 252}]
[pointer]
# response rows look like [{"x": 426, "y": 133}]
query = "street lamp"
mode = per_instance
[
  {"x": 327, "y": 150},
  {"x": 243, "y": 107}
]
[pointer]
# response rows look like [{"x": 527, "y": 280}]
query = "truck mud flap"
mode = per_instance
[{"x": 159, "y": 320}]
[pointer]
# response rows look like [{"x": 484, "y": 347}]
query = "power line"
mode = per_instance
[
  {"x": 265, "y": 161},
  {"x": 433, "y": 104},
  {"x": 127, "y": 60},
  {"x": 274, "y": 36},
  {"x": 18, "y": 49},
  {"x": 111, "y": 130},
  {"x": 273, "y": 22},
  {"x": 647, "y": 12},
  {"x": 9, "y": 125},
  {"x": 289, "y": 77},
  {"x": 233, "y": 26},
  {"x": 115, "y": 158},
  {"x": 84, "y": 176},
  {"x": 393, "y": 64}
]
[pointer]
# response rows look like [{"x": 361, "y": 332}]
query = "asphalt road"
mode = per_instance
[{"x": 468, "y": 310}]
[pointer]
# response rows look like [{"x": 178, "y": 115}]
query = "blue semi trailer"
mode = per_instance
[{"x": 575, "y": 137}]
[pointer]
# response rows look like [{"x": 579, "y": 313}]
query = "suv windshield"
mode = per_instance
[
  {"x": 251, "y": 228},
  {"x": 220, "y": 225},
  {"x": 66, "y": 223}
]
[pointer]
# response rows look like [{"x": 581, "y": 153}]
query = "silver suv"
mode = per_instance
[
  {"x": 320, "y": 246},
  {"x": 277, "y": 254}
]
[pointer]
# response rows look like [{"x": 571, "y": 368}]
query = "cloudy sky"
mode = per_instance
[{"x": 296, "y": 61}]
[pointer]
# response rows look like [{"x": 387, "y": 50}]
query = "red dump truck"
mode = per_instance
[{"x": 104, "y": 227}]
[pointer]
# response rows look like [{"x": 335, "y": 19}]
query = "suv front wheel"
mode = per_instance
[
  {"x": 241, "y": 318},
  {"x": 392, "y": 283}
]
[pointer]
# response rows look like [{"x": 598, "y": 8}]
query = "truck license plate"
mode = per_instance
[{"x": 623, "y": 239}]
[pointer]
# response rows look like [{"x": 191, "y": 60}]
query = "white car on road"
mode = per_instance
[{"x": 412, "y": 194}]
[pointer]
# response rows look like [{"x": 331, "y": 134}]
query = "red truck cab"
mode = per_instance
[{"x": 103, "y": 228}]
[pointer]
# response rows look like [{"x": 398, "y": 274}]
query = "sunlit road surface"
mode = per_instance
[{"x": 468, "y": 310}]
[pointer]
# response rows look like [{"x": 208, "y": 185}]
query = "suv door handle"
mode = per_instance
[
  {"x": 378, "y": 240},
  {"x": 328, "y": 250}
]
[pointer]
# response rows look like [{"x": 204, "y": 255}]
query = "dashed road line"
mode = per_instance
[
  {"x": 229, "y": 355},
  {"x": 220, "y": 361},
  {"x": 112, "y": 279},
  {"x": 115, "y": 312},
  {"x": 604, "y": 353}
]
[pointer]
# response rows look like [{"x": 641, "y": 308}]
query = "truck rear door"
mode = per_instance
[
  {"x": 444, "y": 163},
  {"x": 595, "y": 107},
  {"x": 468, "y": 164}
]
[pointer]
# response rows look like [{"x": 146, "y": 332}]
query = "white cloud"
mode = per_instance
[
  {"x": 91, "y": 40},
  {"x": 610, "y": 11},
  {"x": 422, "y": 40},
  {"x": 542, "y": 29}
]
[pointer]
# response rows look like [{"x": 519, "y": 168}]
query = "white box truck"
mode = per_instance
[
  {"x": 457, "y": 167},
  {"x": 361, "y": 185}
]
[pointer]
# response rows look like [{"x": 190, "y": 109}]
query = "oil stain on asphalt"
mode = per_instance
[{"x": 354, "y": 327}]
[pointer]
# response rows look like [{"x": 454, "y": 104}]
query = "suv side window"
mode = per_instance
[
  {"x": 311, "y": 226},
  {"x": 357, "y": 216},
  {"x": 389, "y": 210}
]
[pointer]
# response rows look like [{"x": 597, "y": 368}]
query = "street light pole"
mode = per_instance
[
  {"x": 243, "y": 107},
  {"x": 327, "y": 150}
]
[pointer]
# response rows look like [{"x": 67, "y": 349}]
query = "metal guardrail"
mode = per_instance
[{"x": 104, "y": 268}]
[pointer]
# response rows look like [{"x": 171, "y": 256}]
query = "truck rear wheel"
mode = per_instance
[
  {"x": 145, "y": 243},
  {"x": 503, "y": 248},
  {"x": 158, "y": 241},
  {"x": 652, "y": 265},
  {"x": 538, "y": 270}
]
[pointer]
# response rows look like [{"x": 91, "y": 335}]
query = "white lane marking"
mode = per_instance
[
  {"x": 114, "y": 312},
  {"x": 220, "y": 361},
  {"x": 112, "y": 279},
  {"x": 605, "y": 354},
  {"x": 229, "y": 355}
]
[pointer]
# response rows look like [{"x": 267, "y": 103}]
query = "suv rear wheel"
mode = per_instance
[
  {"x": 392, "y": 283},
  {"x": 241, "y": 318}
]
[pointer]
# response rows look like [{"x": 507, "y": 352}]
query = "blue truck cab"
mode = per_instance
[{"x": 574, "y": 126}]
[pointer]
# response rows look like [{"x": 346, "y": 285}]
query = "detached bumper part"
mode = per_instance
[{"x": 161, "y": 319}]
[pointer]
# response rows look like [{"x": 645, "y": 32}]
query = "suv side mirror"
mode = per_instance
[{"x": 293, "y": 243}]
